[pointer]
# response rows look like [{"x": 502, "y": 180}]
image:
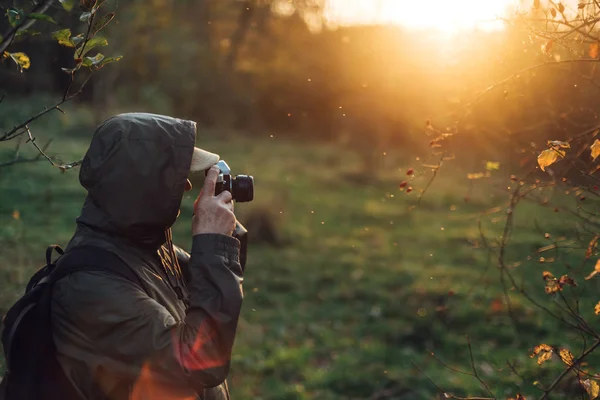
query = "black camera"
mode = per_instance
[{"x": 241, "y": 187}]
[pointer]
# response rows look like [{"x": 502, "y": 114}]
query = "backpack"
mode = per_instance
[{"x": 33, "y": 371}]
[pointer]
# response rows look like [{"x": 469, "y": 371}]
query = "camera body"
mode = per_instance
[{"x": 241, "y": 187}]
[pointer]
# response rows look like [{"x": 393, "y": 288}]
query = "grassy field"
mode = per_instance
[{"x": 359, "y": 284}]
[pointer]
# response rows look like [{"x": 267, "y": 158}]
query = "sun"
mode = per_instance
[{"x": 442, "y": 15}]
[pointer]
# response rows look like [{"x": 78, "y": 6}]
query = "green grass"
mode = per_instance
[{"x": 366, "y": 283}]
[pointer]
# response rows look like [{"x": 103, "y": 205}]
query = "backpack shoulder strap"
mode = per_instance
[{"x": 93, "y": 258}]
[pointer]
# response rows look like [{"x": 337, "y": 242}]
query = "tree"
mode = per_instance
[
  {"x": 561, "y": 166},
  {"x": 86, "y": 61}
]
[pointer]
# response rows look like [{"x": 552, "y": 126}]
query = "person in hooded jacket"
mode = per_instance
[{"x": 173, "y": 337}]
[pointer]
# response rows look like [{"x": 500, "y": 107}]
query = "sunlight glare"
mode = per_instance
[{"x": 442, "y": 15}]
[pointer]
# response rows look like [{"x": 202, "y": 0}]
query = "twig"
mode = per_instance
[
  {"x": 42, "y": 153},
  {"x": 475, "y": 373},
  {"x": 435, "y": 171},
  {"x": 446, "y": 394},
  {"x": 569, "y": 368},
  {"x": 27, "y": 22},
  {"x": 516, "y": 75}
]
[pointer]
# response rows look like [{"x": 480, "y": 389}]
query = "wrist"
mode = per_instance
[{"x": 216, "y": 243}]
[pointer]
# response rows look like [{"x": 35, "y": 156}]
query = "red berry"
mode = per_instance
[
  {"x": 410, "y": 171},
  {"x": 403, "y": 184},
  {"x": 409, "y": 189}
]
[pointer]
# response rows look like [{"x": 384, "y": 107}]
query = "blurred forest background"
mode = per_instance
[{"x": 370, "y": 262}]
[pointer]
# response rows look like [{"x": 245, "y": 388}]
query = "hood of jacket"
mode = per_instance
[{"x": 135, "y": 173}]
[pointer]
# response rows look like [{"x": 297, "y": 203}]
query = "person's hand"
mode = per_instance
[{"x": 213, "y": 214}]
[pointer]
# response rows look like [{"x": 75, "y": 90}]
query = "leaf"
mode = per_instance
[
  {"x": 63, "y": 37},
  {"x": 85, "y": 16},
  {"x": 597, "y": 308},
  {"x": 519, "y": 396},
  {"x": 76, "y": 40},
  {"x": 42, "y": 17},
  {"x": 581, "y": 5},
  {"x": 108, "y": 60},
  {"x": 547, "y": 47},
  {"x": 561, "y": 8},
  {"x": 594, "y": 272},
  {"x": 592, "y": 388},
  {"x": 21, "y": 59},
  {"x": 593, "y": 52},
  {"x": 553, "y": 12},
  {"x": 478, "y": 175},
  {"x": 543, "y": 353},
  {"x": 566, "y": 280},
  {"x": 102, "y": 22},
  {"x": 492, "y": 166},
  {"x": 94, "y": 42},
  {"x": 25, "y": 32},
  {"x": 546, "y": 275},
  {"x": 90, "y": 61},
  {"x": 15, "y": 16},
  {"x": 566, "y": 356},
  {"x": 549, "y": 157},
  {"x": 557, "y": 144},
  {"x": 595, "y": 148},
  {"x": 592, "y": 246},
  {"x": 67, "y": 4}
]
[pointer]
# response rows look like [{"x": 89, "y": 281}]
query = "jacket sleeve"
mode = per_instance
[{"x": 110, "y": 324}]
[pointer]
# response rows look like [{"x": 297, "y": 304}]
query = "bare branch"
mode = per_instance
[{"x": 568, "y": 369}]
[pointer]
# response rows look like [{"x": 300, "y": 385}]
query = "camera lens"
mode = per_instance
[{"x": 243, "y": 188}]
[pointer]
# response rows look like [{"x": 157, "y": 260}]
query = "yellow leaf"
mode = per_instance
[
  {"x": 597, "y": 309},
  {"x": 592, "y": 388},
  {"x": 21, "y": 59},
  {"x": 478, "y": 175},
  {"x": 592, "y": 246},
  {"x": 566, "y": 356},
  {"x": 594, "y": 272},
  {"x": 16, "y": 215},
  {"x": 547, "y": 275},
  {"x": 547, "y": 47},
  {"x": 566, "y": 280},
  {"x": 595, "y": 148},
  {"x": 549, "y": 157},
  {"x": 559, "y": 144},
  {"x": 492, "y": 166},
  {"x": 518, "y": 397},
  {"x": 543, "y": 353},
  {"x": 593, "y": 50}
]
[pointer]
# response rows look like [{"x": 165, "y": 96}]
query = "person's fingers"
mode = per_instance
[
  {"x": 211, "y": 181},
  {"x": 229, "y": 206},
  {"x": 225, "y": 196},
  {"x": 198, "y": 199}
]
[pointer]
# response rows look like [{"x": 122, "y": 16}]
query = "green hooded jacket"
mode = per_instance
[{"x": 173, "y": 338}]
